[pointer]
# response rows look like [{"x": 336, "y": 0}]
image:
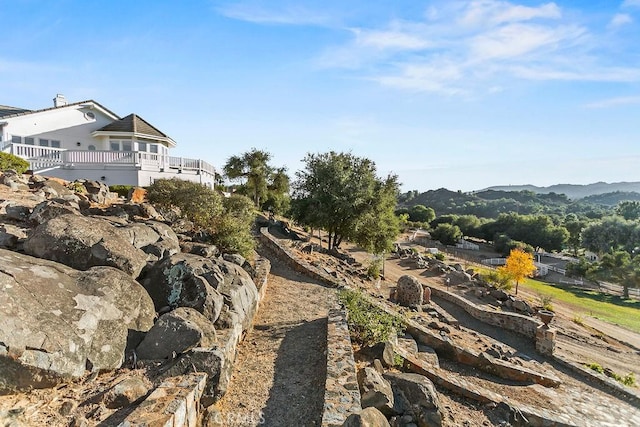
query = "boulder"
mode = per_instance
[
  {"x": 426, "y": 295},
  {"x": 458, "y": 277},
  {"x": 369, "y": 417},
  {"x": 375, "y": 391},
  {"x": 415, "y": 395},
  {"x": 17, "y": 212},
  {"x": 55, "y": 321},
  {"x": 49, "y": 209},
  {"x": 140, "y": 235},
  {"x": 177, "y": 332},
  {"x": 82, "y": 242},
  {"x": 409, "y": 291},
  {"x": 10, "y": 235},
  {"x": 428, "y": 355},
  {"x": 202, "y": 249},
  {"x": 185, "y": 280},
  {"x": 126, "y": 392},
  {"x": 522, "y": 306}
]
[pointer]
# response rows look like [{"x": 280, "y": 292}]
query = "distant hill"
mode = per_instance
[{"x": 574, "y": 191}]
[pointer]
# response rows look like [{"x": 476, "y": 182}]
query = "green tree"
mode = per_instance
[
  {"x": 447, "y": 234},
  {"x": 340, "y": 193},
  {"x": 252, "y": 167},
  {"x": 609, "y": 235},
  {"x": 574, "y": 227},
  {"x": 421, "y": 213},
  {"x": 518, "y": 266},
  {"x": 629, "y": 209}
]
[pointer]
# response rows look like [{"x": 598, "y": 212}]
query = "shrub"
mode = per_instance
[
  {"x": 122, "y": 190},
  {"x": 596, "y": 367},
  {"x": 9, "y": 161},
  {"x": 578, "y": 319},
  {"x": 368, "y": 324},
  {"x": 374, "y": 270},
  {"x": 545, "y": 302},
  {"x": 439, "y": 256},
  {"x": 501, "y": 279},
  {"x": 228, "y": 221}
]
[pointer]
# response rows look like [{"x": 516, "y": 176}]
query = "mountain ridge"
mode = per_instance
[{"x": 572, "y": 191}]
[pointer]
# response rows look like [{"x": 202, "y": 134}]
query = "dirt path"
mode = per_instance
[{"x": 281, "y": 364}]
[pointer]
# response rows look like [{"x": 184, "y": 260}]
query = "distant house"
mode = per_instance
[{"x": 85, "y": 140}]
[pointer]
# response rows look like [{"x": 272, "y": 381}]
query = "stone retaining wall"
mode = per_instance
[
  {"x": 341, "y": 395},
  {"x": 519, "y": 323},
  {"x": 175, "y": 403}
]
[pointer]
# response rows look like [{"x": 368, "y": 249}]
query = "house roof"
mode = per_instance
[
  {"x": 7, "y": 112},
  {"x": 134, "y": 124}
]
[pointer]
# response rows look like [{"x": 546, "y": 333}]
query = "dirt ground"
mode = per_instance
[{"x": 281, "y": 367}]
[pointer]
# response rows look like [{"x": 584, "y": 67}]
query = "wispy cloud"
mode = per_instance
[
  {"x": 276, "y": 14},
  {"x": 620, "y": 19},
  {"x": 615, "y": 102},
  {"x": 464, "y": 47}
]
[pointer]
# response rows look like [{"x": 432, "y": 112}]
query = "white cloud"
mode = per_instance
[
  {"x": 620, "y": 19},
  {"x": 631, "y": 3},
  {"x": 578, "y": 73},
  {"x": 288, "y": 14},
  {"x": 390, "y": 39},
  {"x": 428, "y": 77},
  {"x": 490, "y": 12},
  {"x": 516, "y": 40},
  {"x": 615, "y": 102}
]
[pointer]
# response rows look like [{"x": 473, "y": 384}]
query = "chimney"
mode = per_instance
[{"x": 59, "y": 100}]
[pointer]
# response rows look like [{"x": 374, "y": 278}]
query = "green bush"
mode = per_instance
[
  {"x": 498, "y": 278},
  {"x": 122, "y": 190},
  {"x": 228, "y": 221},
  {"x": 368, "y": 324},
  {"x": 9, "y": 161},
  {"x": 374, "y": 269},
  {"x": 439, "y": 256}
]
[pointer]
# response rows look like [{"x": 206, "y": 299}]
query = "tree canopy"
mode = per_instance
[
  {"x": 518, "y": 266},
  {"x": 267, "y": 186},
  {"x": 340, "y": 193}
]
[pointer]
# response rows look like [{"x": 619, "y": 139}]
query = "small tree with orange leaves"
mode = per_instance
[{"x": 519, "y": 265}]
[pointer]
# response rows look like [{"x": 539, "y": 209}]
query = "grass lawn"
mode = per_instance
[{"x": 610, "y": 308}]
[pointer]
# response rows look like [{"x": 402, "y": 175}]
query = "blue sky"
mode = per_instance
[{"x": 455, "y": 94}]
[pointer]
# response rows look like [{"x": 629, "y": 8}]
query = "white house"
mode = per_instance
[{"x": 84, "y": 140}]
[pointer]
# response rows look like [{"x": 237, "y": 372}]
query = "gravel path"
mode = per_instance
[{"x": 281, "y": 365}]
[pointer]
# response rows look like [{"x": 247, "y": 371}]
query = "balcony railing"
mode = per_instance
[{"x": 41, "y": 158}]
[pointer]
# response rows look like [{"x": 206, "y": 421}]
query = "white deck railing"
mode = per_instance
[{"x": 41, "y": 158}]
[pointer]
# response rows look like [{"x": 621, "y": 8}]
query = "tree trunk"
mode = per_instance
[
  {"x": 517, "y": 287},
  {"x": 625, "y": 291}
]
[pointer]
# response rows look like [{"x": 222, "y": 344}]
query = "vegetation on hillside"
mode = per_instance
[
  {"x": 228, "y": 221},
  {"x": 341, "y": 194},
  {"x": 9, "y": 161},
  {"x": 265, "y": 184}
]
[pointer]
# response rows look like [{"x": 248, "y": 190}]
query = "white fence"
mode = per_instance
[{"x": 42, "y": 158}]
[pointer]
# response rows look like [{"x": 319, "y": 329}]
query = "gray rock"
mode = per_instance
[
  {"x": 409, "y": 291},
  {"x": 125, "y": 393},
  {"x": 234, "y": 258},
  {"x": 375, "y": 391},
  {"x": 202, "y": 249},
  {"x": 408, "y": 344},
  {"x": 185, "y": 280},
  {"x": 369, "y": 417},
  {"x": 522, "y": 306},
  {"x": 10, "y": 235},
  {"x": 499, "y": 294},
  {"x": 51, "y": 209},
  {"x": 18, "y": 212},
  {"x": 82, "y": 242},
  {"x": 416, "y": 395},
  {"x": 177, "y": 332},
  {"x": 428, "y": 355},
  {"x": 140, "y": 235},
  {"x": 56, "y": 321}
]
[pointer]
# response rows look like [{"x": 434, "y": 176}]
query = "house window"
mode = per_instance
[
  {"x": 55, "y": 143},
  {"x": 44, "y": 142},
  {"x": 91, "y": 148},
  {"x": 29, "y": 140},
  {"x": 142, "y": 146},
  {"x": 153, "y": 148},
  {"x": 115, "y": 146},
  {"x": 16, "y": 139},
  {"x": 126, "y": 145}
]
